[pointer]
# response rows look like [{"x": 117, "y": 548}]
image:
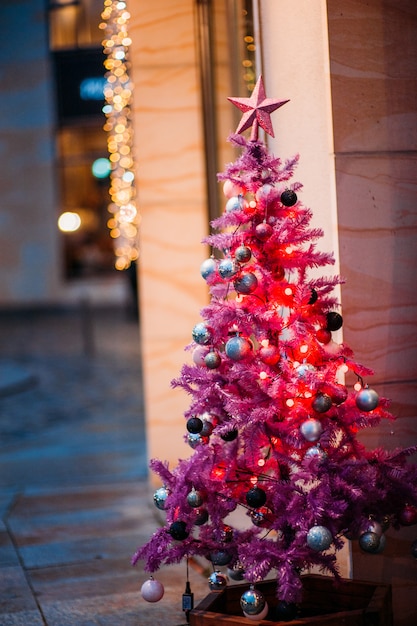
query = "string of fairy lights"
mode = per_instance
[{"x": 118, "y": 93}]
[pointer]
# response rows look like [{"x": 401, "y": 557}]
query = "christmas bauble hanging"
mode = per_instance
[
  {"x": 246, "y": 284},
  {"x": 232, "y": 189},
  {"x": 194, "y": 425},
  {"x": 237, "y": 572},
  {"x": 152, "y": 590},
  {"x": 334, "y": 321},
  {"x": 414, "y": 549},
  {"x": 228, "y": 268},
  {"x": 195, "y": 498},
  {"x": 243, "y": 254},
  {"x": 259, "y": 616},
  {"x": 324, "y": 336},
  {"x": 220, "y": 557},
  {"x": 237, "y": 348},
  {"x": 322, "y": 403},
  {"x": 178, "y": 530},
  {"x": 263, "y": 231},
  {"x": 217, "y": 581},
  {"x": 408, "y": 515},
  {"x": 207, "y": 268},
  {"x": 230, "y": 436},
  {"x": 159, "y": 497},
  {"x": 252, "y": 601},
  {"x": 313, "y": 296},
  {"x": 261, "y": 517},
  {"x": 367, "y": 399},
  {"x": 256, "y": 497},
  {"x": 201, "y": 334},
  {"x": 319, "y": 538},
  {"x": 288, "y": 197},
  {"x": 269, "y": 354},
  {"x": 199, "y": 354},
  {"x": 316, "y": 452},
  {"x": 201, "y": 516},
  {"x": 235, "y": 203},
  {"x": 207, "y": 428},
  {"x": 303, "y": 369},
  {"x": 194, "y": 440},
  {"x": 212, "y": 360},
  {"x": 371, "y": 526},
  {"x": 311, "y": 429},
  {"x": 369, "y": 542}
]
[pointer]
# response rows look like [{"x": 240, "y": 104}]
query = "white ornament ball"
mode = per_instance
[
  {"x": 235, "y": 203},
  {"x": 152, "y": 590},
  {"x": 199, "y": 354},
  {"x": 231, "y": 189}
]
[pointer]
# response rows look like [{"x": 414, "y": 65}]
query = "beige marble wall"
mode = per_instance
[
  {"x": 373, "y": 48},
  {"x": 172, "y": 202}
]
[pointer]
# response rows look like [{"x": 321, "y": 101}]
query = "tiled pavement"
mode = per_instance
[{"x": 74, "y": 500}]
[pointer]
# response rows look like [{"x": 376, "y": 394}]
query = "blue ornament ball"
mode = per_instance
[
  {"x": 319, "y": 538},
  {"x": 243, "y": 254},
  {"x": 246, "y": 284},
  {"x": 322, "y": 403},
  {"x": 237, "y": 348},
  {"x": 159, "y": 498},
  {"x": 212, "y": 360},
  {"x": 201, "y": 334},
  {"x": 220, "y": 557},
  {"x": 369, "y": 542},
  {"x": 207, "y": 268},
  {"x": 228, "y": 268},
  {"x": 367, "y": 399}
]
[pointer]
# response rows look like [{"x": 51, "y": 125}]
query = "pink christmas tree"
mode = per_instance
[{"x": 276, "y": 403}]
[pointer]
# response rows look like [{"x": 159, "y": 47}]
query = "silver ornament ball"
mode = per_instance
[
  {"x": 212, "y": 360},
  {"x": 316, "y": 452},
  {"x": 311, "y": 429},
  {"x": 217, "y": 581},
  {"x": 367, "y": 399},
  {"x": 194, "y": 498},
  {"x": 252, "y": 602}
]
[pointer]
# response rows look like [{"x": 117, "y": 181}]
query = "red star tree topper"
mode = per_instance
[{"x": 272, "y": 421}]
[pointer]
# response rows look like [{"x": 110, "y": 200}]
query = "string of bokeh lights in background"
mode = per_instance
[{"x": 124, "y": 221}]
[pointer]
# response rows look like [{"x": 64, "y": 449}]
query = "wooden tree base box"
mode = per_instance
[{"x": 350, "y": 603}]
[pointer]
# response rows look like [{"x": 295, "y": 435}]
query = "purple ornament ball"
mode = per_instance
[{"x": 263, "y": 231}]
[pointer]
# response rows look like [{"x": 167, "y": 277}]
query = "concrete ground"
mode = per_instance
[{"x": 74, "y": 500}]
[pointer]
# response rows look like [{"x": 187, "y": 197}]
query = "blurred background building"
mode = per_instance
[{"x": 350, "y": 70}]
